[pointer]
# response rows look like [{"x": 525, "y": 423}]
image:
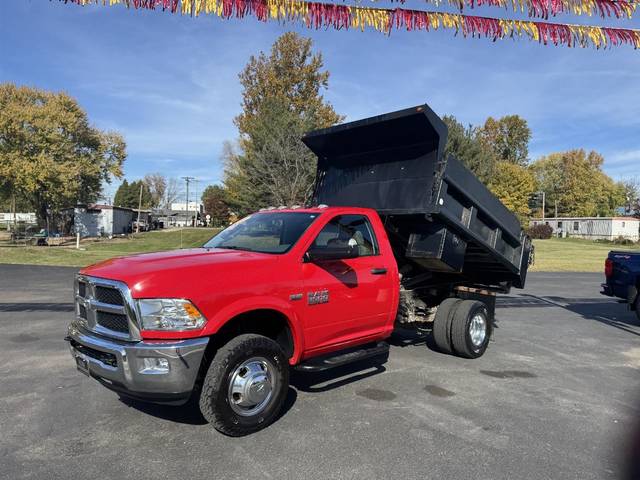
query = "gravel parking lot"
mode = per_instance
[{"x": 555, "y": 397}]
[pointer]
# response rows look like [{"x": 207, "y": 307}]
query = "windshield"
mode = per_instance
[{"x": 264, "y": 232}]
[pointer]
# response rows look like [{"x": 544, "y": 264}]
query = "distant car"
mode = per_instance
[
  {"x": 143, "y": 226},
  {"x": 40, "y": 238},
  {"x": 622, "y": 271}
]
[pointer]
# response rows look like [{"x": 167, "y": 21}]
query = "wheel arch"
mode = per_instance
[{"x": 268, "y": 318}]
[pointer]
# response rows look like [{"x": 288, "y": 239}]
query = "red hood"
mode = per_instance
[{"x": 177, "y": 273}]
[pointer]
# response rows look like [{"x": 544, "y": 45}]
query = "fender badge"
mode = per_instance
[{"x": 321, "y": 296}]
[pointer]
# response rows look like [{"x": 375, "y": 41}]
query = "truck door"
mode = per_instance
[{"x": 347, "y": 298}]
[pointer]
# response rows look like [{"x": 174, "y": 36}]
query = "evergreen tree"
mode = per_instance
[
  {"x": 214, "y": 199},
  {"x": 128, "y": 195},
  {"x": 464, "y": 145}
]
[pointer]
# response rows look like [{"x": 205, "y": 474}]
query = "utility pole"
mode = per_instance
[
  {"x": 544, "y": 200},
  {"x": 195, "y": 195},
  {"x": 187, "y": 181},
  {"x": 139, "y": 208},
  {"x": 13, "y": 209}
]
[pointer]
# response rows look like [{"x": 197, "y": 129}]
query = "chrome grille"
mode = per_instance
[
  {"x": 113, "y": 321},
  {"x": 109, "y": 295},
  {"x": 106, "y": 307}
]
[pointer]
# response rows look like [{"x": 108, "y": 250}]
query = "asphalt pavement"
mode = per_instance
[{"x": 555, "y": 397}]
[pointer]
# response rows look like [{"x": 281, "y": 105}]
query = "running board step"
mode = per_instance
[{"x": 343, "y": 357}]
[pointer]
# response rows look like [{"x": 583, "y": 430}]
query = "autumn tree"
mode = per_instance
[
  {"x": 575, "y": 184},
  {"x": 513, "y": 185},
  {"x": 50, "y": 155},
  {"x": 288, "y": 81},
  {"x": 508, "y": 179},
  {"x": 214, "y": 199},
  {"x": 507, "y": 139},
  {"x": 463, "y": 143}
]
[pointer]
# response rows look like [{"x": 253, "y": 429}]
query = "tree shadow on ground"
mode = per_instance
[
  {"x": 607, "y": 312},
  {"x": 36, "y": 307}
]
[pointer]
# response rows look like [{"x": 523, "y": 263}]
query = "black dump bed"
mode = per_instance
[{"x": 439, "y": 216}]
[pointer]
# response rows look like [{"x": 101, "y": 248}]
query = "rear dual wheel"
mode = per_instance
[{"x": 462, "y": 327}]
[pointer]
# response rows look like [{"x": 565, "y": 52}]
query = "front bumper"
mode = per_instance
[{"x": 119, "y": 365}]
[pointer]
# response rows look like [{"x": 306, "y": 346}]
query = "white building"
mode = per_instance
[
  {"x": 593, "y": 228},
  {"x": 182, "y": 206}
]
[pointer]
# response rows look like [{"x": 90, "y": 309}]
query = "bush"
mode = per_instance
[
  {"x": 623, "y": 241},
  {"x": 540, "y": 232}
]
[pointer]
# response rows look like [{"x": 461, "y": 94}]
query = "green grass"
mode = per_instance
[
  {"x": 573, "y": 255},
  {"x": 553, "y": 255},
  {"x": 101, "y": 250}
]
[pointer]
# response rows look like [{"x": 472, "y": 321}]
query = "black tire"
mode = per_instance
[
  {"x": 638, "y": 307},
  {"x": 461, "y": 341},
  {"x": 214, "y": 396},
  {"x": 442, "y": 324}
]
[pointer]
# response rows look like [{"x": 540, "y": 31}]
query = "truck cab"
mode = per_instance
[{"x": 313, "y": 280}]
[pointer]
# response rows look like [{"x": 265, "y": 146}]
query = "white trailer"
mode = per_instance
[{"x": 593, "y": 228}]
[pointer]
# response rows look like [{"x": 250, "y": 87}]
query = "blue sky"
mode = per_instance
[{"x": 169, "y": 83}]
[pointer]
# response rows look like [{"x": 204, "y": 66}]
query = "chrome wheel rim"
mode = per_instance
[
  {"x": 251, "y": 386},
  {"x": 478, "y": 330}
]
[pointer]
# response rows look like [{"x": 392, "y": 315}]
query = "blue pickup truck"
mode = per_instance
[{"x": 622, "y": 270}]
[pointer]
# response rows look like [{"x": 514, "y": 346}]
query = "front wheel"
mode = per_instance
[{"x": 245, "y": 386}]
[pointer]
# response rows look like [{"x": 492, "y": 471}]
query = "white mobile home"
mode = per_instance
[
  {"x": 7, "y": 219},
  {"x": 593, "y": 228}
]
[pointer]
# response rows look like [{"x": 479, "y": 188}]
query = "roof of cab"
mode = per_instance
[{"x": 313, "y": 209}]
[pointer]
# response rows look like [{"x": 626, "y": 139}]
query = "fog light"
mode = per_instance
[{"x": 154, "y": 365}]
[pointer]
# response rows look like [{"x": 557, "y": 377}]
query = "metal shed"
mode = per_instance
[{"x": 102, "y": 220}]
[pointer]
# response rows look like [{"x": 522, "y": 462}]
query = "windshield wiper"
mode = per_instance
[{"x": 234, "y": 247}]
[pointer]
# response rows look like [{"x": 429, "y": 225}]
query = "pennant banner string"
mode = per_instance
[
  {"x": 546, "y": 8},
  {"x": 328, "y": 15},
  {"x": 533, "y": 8}
]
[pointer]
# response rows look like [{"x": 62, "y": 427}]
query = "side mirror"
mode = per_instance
[{"x": 331, "y": 253}]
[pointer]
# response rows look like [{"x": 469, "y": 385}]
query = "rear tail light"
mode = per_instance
[{"x": 608, "y": 267}]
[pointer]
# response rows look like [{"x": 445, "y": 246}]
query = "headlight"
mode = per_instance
[{"x": 172, "y": 314}]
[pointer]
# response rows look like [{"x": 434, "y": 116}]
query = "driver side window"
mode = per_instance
[{"x": 348, "y": 231}]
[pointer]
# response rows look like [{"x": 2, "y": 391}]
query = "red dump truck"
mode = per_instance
[{"x": 397, "y": 235}]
